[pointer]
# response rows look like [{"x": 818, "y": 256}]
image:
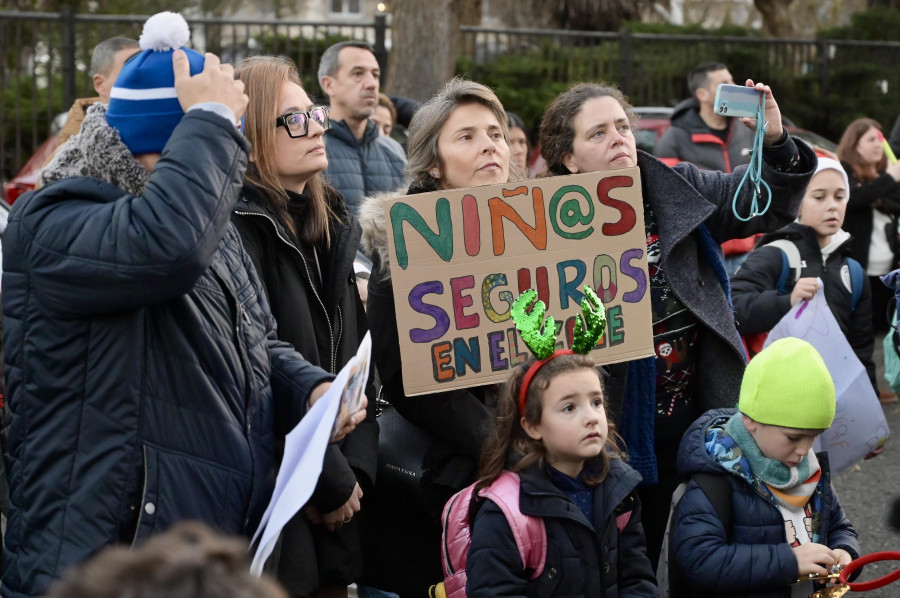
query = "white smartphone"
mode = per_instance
[{"x": 737, "y": 101}]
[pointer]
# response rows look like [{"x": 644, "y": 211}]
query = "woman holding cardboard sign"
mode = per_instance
[
  {"x": 457, "y": 139},
  {"x": 302, "y": 242},
  {"x": 688, "y": 212}
]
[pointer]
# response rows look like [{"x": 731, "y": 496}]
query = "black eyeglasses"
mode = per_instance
[{"x": 297, "y": 123}]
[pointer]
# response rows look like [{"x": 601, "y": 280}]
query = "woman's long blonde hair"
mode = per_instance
[{"x": 263, "y": 78}]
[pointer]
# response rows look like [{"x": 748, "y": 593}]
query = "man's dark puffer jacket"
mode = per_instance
[
  {"x": 360, "y": 168},
  {"x": 139, "y": 355}
]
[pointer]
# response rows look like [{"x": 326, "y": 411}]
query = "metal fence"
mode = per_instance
[
  {"x": 820, "y": 84},
  {"x": 45, "y": 61}
]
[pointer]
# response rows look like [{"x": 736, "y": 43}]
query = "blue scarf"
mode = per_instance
[{"x": 638, "y": 419}]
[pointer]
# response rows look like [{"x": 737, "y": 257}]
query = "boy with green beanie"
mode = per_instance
[{"x": 786, "y": 523}]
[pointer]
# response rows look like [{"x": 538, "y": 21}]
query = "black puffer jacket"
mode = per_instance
[
  {"x": 358, "y": 168},
  {"x": 584, "y": 558},
  {"x": 325, "y": 322},
  {"x": 882, "y": 194},
  {"x": 143, "y": 369},
  {"x": 758, "y": 306}
]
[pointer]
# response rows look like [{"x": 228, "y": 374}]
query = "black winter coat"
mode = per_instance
[
  {"x": 756, "y": 561},
  {"x": 758, "y": 306},
  {"x": 584, "y": 558},
  {"x": 142, "y": 364},
  {"x": 325, "y": 322},
  {"x": 885, "y": 192},
  {"x": 456, "y": 417}
]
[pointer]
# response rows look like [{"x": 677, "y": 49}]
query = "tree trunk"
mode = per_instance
[
  {"x": 597, "y": 15},
  {"x": 425, "y": 44},
  {"x": 778, "y": 17}
]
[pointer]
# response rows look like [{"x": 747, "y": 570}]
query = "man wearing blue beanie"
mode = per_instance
[{"x": 144, "y": 374}]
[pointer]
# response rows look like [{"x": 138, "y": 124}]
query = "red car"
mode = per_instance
[{"x": 25, "y": 180}]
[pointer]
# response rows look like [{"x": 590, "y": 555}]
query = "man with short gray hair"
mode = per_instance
[
  {"x": 106, "y": 62},
  {"x": 361, "y": 161}
]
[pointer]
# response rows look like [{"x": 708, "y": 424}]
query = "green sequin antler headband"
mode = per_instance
[{"x": 539, "y": 333}]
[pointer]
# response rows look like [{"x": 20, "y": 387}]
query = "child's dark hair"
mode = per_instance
[{"x": 508, "y": 437}]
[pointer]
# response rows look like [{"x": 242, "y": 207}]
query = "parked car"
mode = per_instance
[
  {"x": 654, "y": 121},
  {"x": 27, "y": 177}
]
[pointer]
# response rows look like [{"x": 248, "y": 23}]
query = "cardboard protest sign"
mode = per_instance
[{"x": 460, "y": 258}]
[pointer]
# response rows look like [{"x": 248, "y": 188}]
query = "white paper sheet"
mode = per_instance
[
  {"x": 859, "y": 423},
  {"x": 304, "y": 452}
]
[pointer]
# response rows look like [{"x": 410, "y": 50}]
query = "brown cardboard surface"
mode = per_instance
[{"x": 460, "y": 258}]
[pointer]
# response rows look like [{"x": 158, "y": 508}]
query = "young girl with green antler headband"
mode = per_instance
[{"x": 552, "y": 430}]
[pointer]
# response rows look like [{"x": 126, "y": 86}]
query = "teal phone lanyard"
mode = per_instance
[{"x": 754, "y": 170}]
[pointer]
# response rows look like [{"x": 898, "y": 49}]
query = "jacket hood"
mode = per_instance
[
  {"x": 692, "y": 454},
  {"x": 686, "y": 115},
  {"x": 805, "y": 235},
  {"x": 374, "y": 228},
  {"x": 254, "y": 199},
  {"x": 98, "y": 152}
]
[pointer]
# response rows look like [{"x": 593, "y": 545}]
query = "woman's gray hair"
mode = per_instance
[{"x": 430, "y": 118}]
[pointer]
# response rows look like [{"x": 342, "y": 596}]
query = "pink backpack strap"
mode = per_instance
[
  {"x": 622, "y": 520},
  {"x": 456, "y": 538},
  {"x": 529, "y": 532}
]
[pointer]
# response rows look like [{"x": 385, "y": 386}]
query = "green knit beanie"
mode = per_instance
[{"x": 788, "y": 385}]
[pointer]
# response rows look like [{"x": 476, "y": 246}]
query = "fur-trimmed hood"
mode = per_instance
[
  {"x": 374, "y": 241},
  {"x": 97, "y": 151}
]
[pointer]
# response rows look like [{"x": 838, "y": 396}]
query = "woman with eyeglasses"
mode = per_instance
[{"x": 302, "y": 241}]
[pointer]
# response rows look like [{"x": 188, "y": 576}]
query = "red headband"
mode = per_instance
[{"x": 532, "y": 371}]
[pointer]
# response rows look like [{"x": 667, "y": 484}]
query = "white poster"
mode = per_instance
[
  {"x": 304, "y": 451},
  {"x": 859, "y": 425}
]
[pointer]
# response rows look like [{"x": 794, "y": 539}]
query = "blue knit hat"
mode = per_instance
[{"x": 143, "y": 105}]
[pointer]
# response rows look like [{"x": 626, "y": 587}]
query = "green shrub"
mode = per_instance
[{"x": 527, "y": 76}]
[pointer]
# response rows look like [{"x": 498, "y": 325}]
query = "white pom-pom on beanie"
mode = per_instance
[
  {"x": 143, "y": 105},
  {"x": 165, "y": 31}
]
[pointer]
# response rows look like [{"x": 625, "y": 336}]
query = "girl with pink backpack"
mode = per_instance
[{"x": 552, "y": 432}]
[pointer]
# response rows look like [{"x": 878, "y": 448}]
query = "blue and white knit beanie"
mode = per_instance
[{"x": 143, "y": 105}]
